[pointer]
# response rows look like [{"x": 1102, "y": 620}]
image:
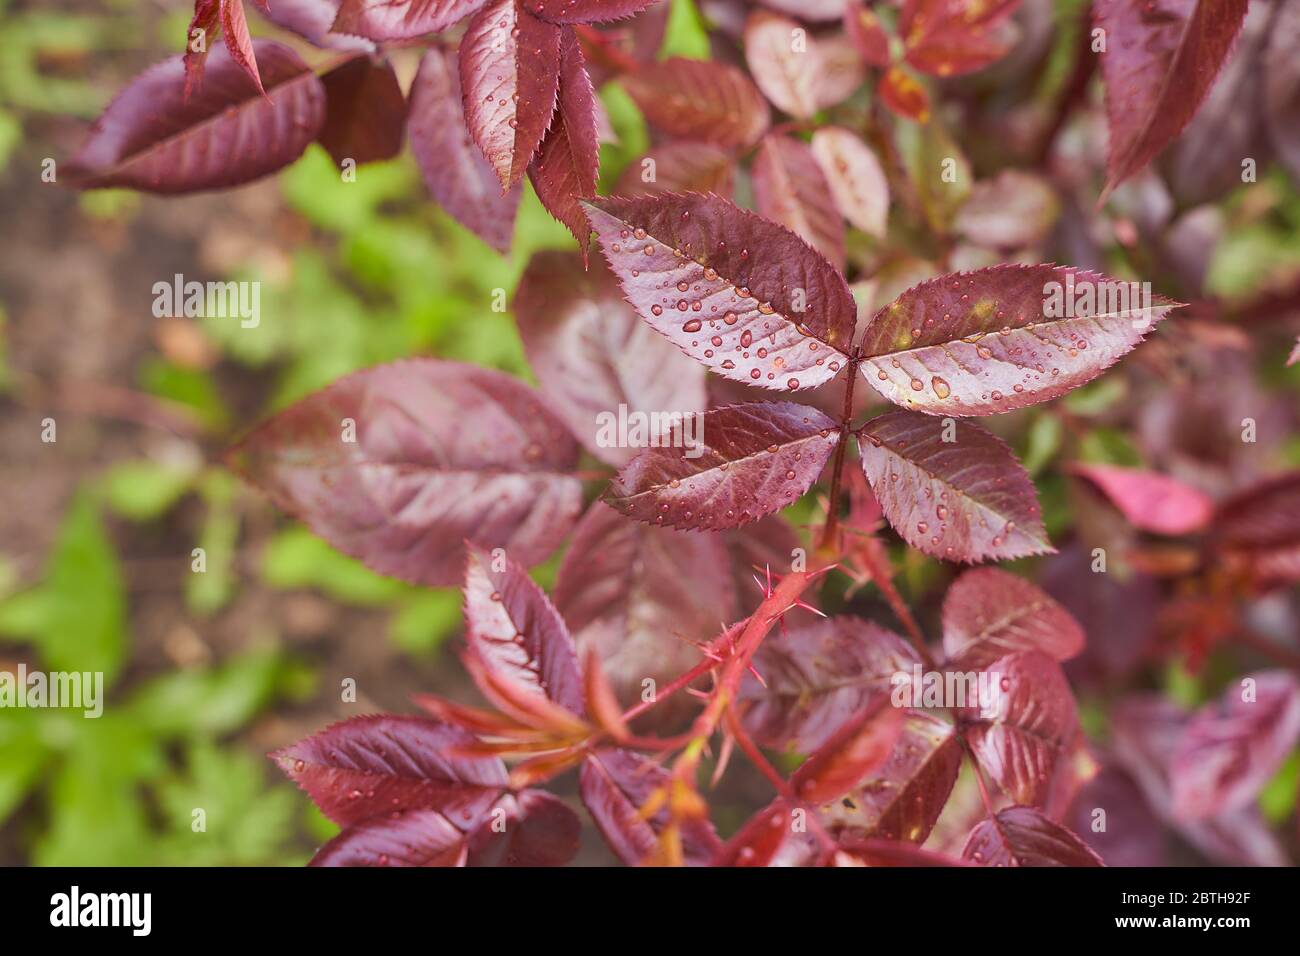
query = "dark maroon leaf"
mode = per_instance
[
  {"x": 747, "y": 461},
  {"x": 1126, "y": 832},
  {"x": 593, "y": 356},
  {"x": 615, "y": 784},
  {"x": 742, "y": 295},
  {"x": 790, "y": 188},
  {"x": 585, "y": 11},
  {"x": 1161, "y": 59},
  {"x": 856, "y": 179},
  {"x": 903, "y": 799},
  {"x": 312, "y": 20},
  {"x": 680, "y": 167},
  {"x": 700, "y": 100},
  {"x": 1232, "y": 747},
  {"x": 1259, "y": 527},
  {"x": 818, "y": 676},
  {"x": 989, "y": 613},
  {"x": 986, "y": 342},
  {"x": 457, "y": 175},
  {"x": 377, "y": 765},
  {"x": 1151, "y": 501},
  {"x": 516, "y": 633},
  {"x": 567, "y": 164},
  {"x": 510, "y": 79},
  {"x": 365, "y": 111},
  {"x": 642, "y": 597},
  {"x": 226, "y": 133},
  {"x": 400, "y": 19},
  {"x": 1022, "y": 836},
  {"x": 532, "y": 828},
  {"x": 1033, "y": 724},
  {"x": 414, "y": 838},
  {"x": 443, "y": 452},
  {"x": 962, "y": 500},
  {"x": 860, "y": 745}
]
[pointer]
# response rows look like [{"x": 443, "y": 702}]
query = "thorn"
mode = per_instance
[
  {"x": 702, "y": 695},
  {"x": 808, "y": 607},
  {"x": 724, "y": 758},
  {"x": 757, "y": 676}
]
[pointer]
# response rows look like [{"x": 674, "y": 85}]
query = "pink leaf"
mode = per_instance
[
  {"x": 312, "y": 20},
  {"x": 700, "y": 100},
  {"x": 1160, "y": 62},
  {"x": 1151, "y": 501},
  {"x": 699, "y": 269},
  {"x": 539, "y": 830},
  {"x": 678, "y": 167},
  {"x": 615, "y": 784},
  {"x": 857, "y": 181},
  {"x": 1295, "y": 355},
  {"x": 234, "y": 30},
  {"x": 866, "y": 34},
  {"x": 457, "y": 175},
  {"x": 952, "y": 37},
  {"x": 754, "y": 459},
  {"x": 203, "y": 27},
  {"x": 585, "y": 11},
  {"x": 799, "y": 72},
  {"x": 400, "y": 19},
  {"x": 365, "y": 112},
  {"x": 1001, "y": 338},
  {"x": 415, "y": 838},
  {"x": 510, "y": 78},
  {"x": 1013, "y": 210},
  {"x": 861, "y": 745},
  {"x": 790, "y": 188},
  {"x": 155, "y": 139},
  {"x": 377, "y": 765},
  {"x": 442, "y": 453},
  {"x": 813, "y": 11},
  {"x": 989, "y": 613},
  {"x": 962, "y": 500},
  {"x": 1022, "y": 836}
]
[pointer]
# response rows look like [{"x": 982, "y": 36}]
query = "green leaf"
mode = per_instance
[
  {"x": 209, "y": 590},
  {"x": 424, "y": 622},
  {"x": 144, "y": 490},
  {"x": 686, "y": 34},
  {"x": 295, "y": 558},
  {"x": 1278, "y": 797}
]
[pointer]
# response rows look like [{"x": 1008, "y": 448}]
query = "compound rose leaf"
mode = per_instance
[
  {"x": 533, "y": 828},
  {"x": 1023, "y": 836},
  {"x": 1233, "y": 746},
  {"x": 365, "y": 111},
  {"x": 458, "y": 176},
  {"x": 988, "y": 613},
  {"x": 585, "y": 11},
  {"x": 1160, "y": 62},
  {"x": 680, "y": 167},
  {"x": 615, "y": 785},
  {"x": 790, "y": 188},
  {"x": 597, "y": 362},
  {"x": 398, "y": 465},
  {"x": 746, "y": 297},
  {"x": 1001, "y": 338},
  {"x": 377, "y": 765},
  {"x": 510, "y": 80},
  {"x": 862, "y": 744},
  {"x": 856, "y": 178},
  {"x": 962, "y": 499},
  {"x": 399, "y": 19},
  {"x": 745, "y": 461},
  {"x": 1151, "y": 501},
  {"x": 700, "y": 100},
  {"x": 226, "y": 132},
  {"x": 414, "y": 838}
]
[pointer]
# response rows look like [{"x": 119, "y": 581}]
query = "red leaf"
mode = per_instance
[
  {"x": 698, "y": 268},
  {"x": 789, "y": 188},
  {"x": 615, "y": 784},
  {"x": 903, "y": 94},
  {"x": 377, "y": 765},
  {"x": 752, "y": 460},
  {"x": 867, "y": 35},
  {"x": 313, "y": 20},
  {"x": 207, "y": 15},
  {"x": 641, "y": 597},
  {"x": 1232, "y": 747},
  {"x": 799, "y": 72},
  {"x": 1034, "y": 724},
  {"x": 365, "y": 111},
  {"x": 700, "y": 100},
  {"x": 585, "y": 11},
  {"x": 400, "y": 19},
  {"x": 516, "y": 633},
  {"x": 1259, "y": 528},
  {"x": 989, "y": 613},
  {"x": 510, "y": 79},
  {"x": 539, "y": 831},
  {"x": 1012, "y": 210},
  {"x": 152, "y": 138},
  {"x": 234, "y": 30},
  {"x": 813, "y": 11},
  {"x": 857, "y": 181},
  {"x": 680, "y": 167},
  {"x": 567, "y": 165},
  {"x": 770, "y": 838},
  {"x": 952, "y": 37},
  {"x": 889, "y": 853},
  {"x": 1001, "y": 338},
  {"x": 1160, "y": 62},
  {"x": 457, "y": 175},
  {"x": 443, "y": 452},
  {"x": 1022, "y": 836},
  {"x": 818, "y": 676},
  {"x": 904, "y": 798},
  {"x": 1151, "y": 501},
  {"x": 416, "y": 838},
  {"x": 861, "y": 745},
  {"x": 592, "y": 354},
  {"x": 962, "y": 500}
]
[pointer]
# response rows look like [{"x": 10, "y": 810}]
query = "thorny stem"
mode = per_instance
[{"x": 829, "y": 531}]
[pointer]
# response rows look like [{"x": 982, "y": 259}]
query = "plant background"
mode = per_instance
[{"x": 205, "y": 673}]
